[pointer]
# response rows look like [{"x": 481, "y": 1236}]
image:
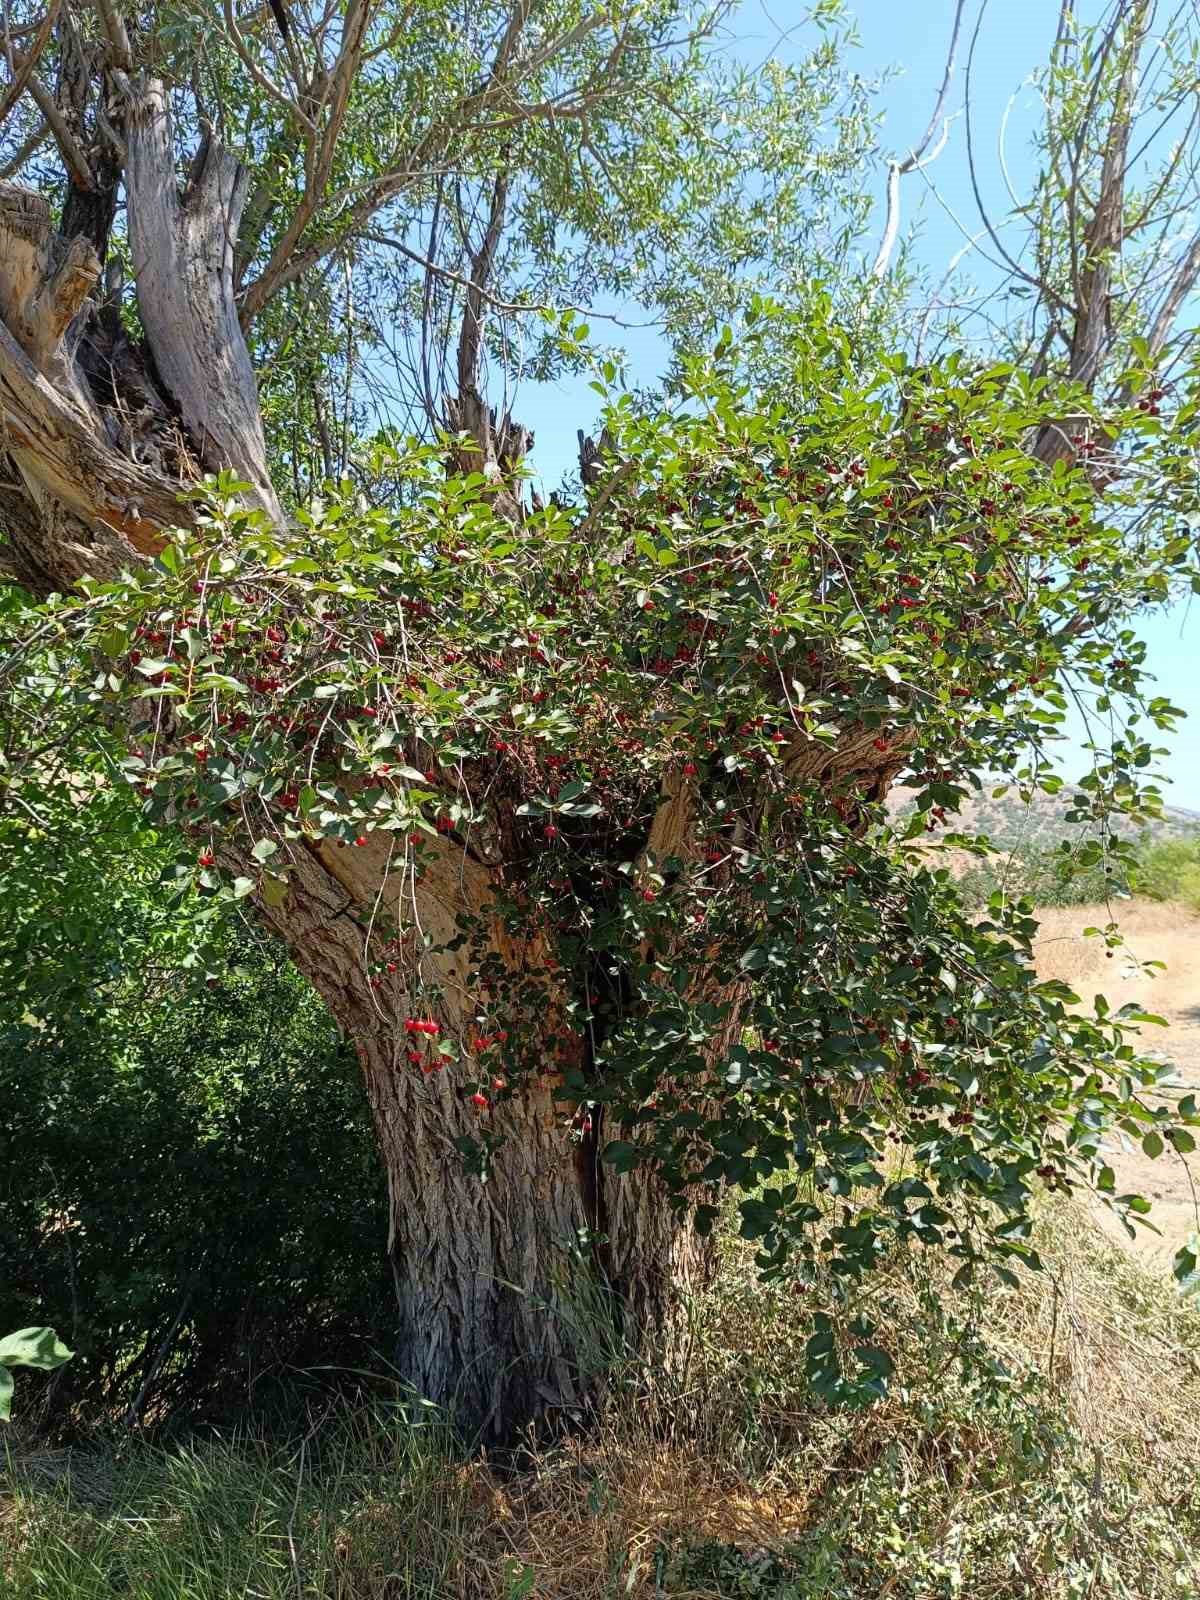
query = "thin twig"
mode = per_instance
[{"x": 917, "y": 156}]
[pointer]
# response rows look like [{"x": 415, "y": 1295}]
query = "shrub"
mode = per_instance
[
  {"x": 187, "y": 1178},
  {"x": 1170, "y": 870}
]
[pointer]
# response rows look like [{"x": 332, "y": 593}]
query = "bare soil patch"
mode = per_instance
[{"x": 1152, "y": 932}]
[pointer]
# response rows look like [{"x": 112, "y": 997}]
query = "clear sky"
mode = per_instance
[
  {"x": 913, "y": 34},
  {"x": 910, "y": 38}
]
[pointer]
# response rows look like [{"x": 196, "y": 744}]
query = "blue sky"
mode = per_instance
[
  {"x": 910, "y": 38},
  {"x": 913, "y": 34}
]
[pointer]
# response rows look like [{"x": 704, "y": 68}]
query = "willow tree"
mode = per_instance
[{"x": 573, "y": 813}]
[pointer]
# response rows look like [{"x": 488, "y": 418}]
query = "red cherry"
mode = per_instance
[
  {"x": 480, "y": 1100},
  {"x": 206, "y": 858},
  {"x": 362, "y": 839}
]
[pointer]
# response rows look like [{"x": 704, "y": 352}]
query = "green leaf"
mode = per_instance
[
  {"x": 264, "y": 848},
  {"x": 34, "y": 1347},
  {"x": 1186, "y": 1267},
  {"x": 29, "y": 1347},
  {"x": 274, "y": 890},
  {"x": 620, "y": 1155}
]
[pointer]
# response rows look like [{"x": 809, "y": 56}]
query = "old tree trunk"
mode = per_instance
[{"x": 504, "y": 1288}]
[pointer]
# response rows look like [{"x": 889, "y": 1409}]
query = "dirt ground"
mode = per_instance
[{"x": 1152, "y": 932}]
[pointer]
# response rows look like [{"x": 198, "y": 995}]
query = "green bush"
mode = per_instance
[
  {"x": 1061, "y": 874},
  {"x": 191, "y": 1196},
  {"x": 188, "y": 1181},
  {"x": 1170, "y": 870},
  {"x": 1048, "y": 875}
]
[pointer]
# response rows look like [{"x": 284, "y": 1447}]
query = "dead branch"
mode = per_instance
[{"x": 917, "y": 156}]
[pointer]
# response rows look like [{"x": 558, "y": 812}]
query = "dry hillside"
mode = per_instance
[{"x": 1010, "y": 822}]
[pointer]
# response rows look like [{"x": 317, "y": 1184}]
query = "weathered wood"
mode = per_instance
[{"x": 183, "y": 250}]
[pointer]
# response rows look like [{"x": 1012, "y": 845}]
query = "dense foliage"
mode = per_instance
[
  {"x": 189, "y": 1186},
  {"x": 768, "y": 607}
]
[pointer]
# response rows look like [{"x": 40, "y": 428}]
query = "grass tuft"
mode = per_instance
[{"x": 1057, "y": 1462}]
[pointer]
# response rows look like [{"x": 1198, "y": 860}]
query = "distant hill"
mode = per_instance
[{"x": 1009, "y": 822}]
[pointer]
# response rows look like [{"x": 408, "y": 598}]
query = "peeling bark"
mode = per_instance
[{"x": 183, "y": 250}]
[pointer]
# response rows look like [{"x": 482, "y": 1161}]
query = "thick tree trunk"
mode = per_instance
[
  {"x": 507, "y": 1310},
  {"x": 512, "y": 1289}
]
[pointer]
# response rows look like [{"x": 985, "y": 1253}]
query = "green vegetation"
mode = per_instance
[
  {"x": 503, "y": 1100},
  {"x": 1060, "y": 1464},
  {"x": 1067, "y": 874},
  {"x": 717, "y": 866},
  {"x": 1170, "y": 870},
  {"x": 187, "y": 1181}
]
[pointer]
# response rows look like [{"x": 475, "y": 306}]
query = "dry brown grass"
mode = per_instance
[
  {"x": 1152, "y": 932},
  {"x": 691, "y": 1483},
  {"x": 593, "y": 1518}
]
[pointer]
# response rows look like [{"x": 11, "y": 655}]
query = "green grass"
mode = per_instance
[
  {"x": 366, "y": 1501},
  {"x": 1059, "y": 1461}
]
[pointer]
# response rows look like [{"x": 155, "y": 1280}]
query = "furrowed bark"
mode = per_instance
[{"x": 506, "y": 1302}]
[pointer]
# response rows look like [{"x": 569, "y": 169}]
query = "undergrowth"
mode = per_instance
[{"x": 1057, "y": 1462}]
